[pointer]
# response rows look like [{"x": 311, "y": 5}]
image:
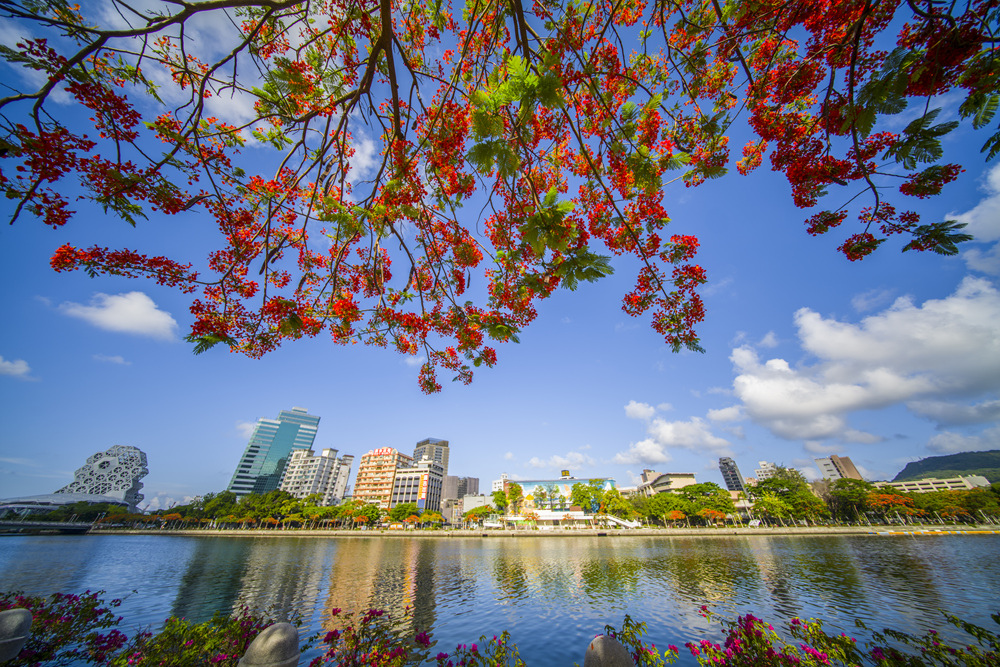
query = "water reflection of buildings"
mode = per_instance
[
  {"x": 394, "y": 575},
  {"x": 285, "y": 575},
  {"x": 282, "y": 577},
  {"x": 212, "y": 579}
]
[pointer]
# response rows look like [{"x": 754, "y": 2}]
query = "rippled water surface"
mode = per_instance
[{"x": 553, "y": 594}]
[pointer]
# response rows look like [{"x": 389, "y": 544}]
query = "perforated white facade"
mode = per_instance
[{"x": 114, "y": 473}]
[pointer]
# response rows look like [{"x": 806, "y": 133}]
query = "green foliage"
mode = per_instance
[
  {"x": 479, "y": 514},
  {"x": 660, "y": 506},
  {"x": 787, "y": 495},
  {"x": 630, "y": 636},
  {"x": 67, "y": 629},
  {"x": 931, "y": 649},
  {"x": 500, "y": 500},
  {"x": 220, "y": 641},
  {"x": 616, "y": 505},
  {"x": 403, "y": 511},
  {"x": 848, "y": 498},
  {"x": 939, "y": 237}
]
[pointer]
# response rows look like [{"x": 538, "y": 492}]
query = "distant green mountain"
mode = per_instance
[{"x": 986, "y": 464}]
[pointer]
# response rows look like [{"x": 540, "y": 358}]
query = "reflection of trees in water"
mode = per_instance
[
  {"x": 704, "y": 571},
  {"x": 392, "y": 574},
  {"x": 522, "y": 566},
  {"x": 609, "y": 577},
  {"x": 279, "y": 576},
  {"x": 826, "y": 573},
  {"x": 212, "y": 579},
  {"x": 283, "y": 575},
  {"x": 895, "y": 570},
  {"x": 510, "y": 576}
]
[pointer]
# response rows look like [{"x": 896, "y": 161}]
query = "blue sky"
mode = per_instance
[{"x": 887, "y": 360}]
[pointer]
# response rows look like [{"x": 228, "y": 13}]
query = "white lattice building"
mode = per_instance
[{"x": 114, "y": 473}]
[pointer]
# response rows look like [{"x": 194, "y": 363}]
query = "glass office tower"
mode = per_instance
[{"x": 271, "y": 444}]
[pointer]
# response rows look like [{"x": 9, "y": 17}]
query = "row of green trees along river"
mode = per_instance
[{"x": 785, "y": 499}]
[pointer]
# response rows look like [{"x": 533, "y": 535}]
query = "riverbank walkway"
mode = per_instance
[{"x": 915, "y": 531}]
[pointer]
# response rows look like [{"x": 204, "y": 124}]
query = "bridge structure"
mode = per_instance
[{"x": 67, "y": 527}]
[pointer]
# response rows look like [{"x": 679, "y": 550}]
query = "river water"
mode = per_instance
[{"x": 553, "y": 594}]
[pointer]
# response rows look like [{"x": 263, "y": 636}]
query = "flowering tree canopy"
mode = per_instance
[{"x": 511, "y": 144}]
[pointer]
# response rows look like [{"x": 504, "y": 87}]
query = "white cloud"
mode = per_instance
[
  {"x": 693, "y": 434},
  {"x": 413, "y": 360},
  {"x": 363, "y": 160},
  {"x": 737, "y": 432},
  {"x": 811, "y": 473},
  {"x": 861, "y": 437},
  {"x": 770, "y": 339},
  {"x": 645, "y": 451},
  {"x": 871, "y": 300},
  {"x": 509, "y": 456},
  {"x": 160, "y": 501},
  {"x": 820, "y": 447},
  {"x": 20, "y": 462},
  {"x": 245, "y": 429},
  {"x": 946, "y": 413},
  {"x": 636, "y": 410},
  {"x": 557, "y": 462},
  {"x": 950, "y": 442},
  {"x": 112, "y": 359},
  {"x": 730, "y": 414},
  {"x": 133, "y": 313},
  {"x": 18, "y": 368},
  {"x": 983, "y": 221},
  {"x": 902, "y": 354},
  {"x": 664, "y": 407},
  {"x": 983, "y": 262}
]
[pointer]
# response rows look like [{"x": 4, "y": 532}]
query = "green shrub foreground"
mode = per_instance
[{"x": 82, "y": 629}]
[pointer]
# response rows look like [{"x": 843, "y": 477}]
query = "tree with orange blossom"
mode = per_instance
[{"x": 518, "y": 146}]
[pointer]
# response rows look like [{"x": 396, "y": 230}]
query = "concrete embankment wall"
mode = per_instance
[{"x": 585, "y": 532}]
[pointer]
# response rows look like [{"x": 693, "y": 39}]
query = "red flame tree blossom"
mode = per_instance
[{"x": 512, "y": 142}]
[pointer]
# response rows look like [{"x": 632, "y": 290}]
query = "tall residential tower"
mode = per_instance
[
  {"x": 270, "y": 447},
  {"x": 433, "y": 449},
  {"x": 731, "y": 474},
  {"x": 326, "y": 475}
]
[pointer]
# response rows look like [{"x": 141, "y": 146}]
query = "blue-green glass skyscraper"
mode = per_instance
[{"x": 272, "y": 442}]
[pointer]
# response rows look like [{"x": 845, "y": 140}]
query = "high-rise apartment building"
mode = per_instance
[
  {"x": 376, "y": 474},
  {"x": 420, "y": 485},
  {"x": 433, "y": 449},
  {"x": 459, "y": 487},
  {"x": 731, "y": 474},
  {"x": 270, "y": 447},
  {"x": 765, "y": 471},
  {"x": 837, "y": 467},
  {"x": 327, "y": 475}
]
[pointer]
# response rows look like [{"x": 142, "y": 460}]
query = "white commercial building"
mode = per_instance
[
  {"x": 327, "y": 475},
  {"x": 929, "y": 484},
  {"x": 115, "y": 473},
  {"x": 420, "y": 485}
]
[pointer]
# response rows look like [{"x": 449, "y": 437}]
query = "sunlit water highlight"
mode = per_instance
[{"x": 552, "y": 594}]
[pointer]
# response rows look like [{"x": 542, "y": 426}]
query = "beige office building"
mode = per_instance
[{"x": 377, "y": 473}]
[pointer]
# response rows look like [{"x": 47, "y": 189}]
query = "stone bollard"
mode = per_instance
[
  {"x": 607, "y": 651},
  {"x": 276, "y": 646},
  {"x": 15, "y": 626}
]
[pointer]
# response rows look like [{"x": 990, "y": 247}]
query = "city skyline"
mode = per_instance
[{"x": 886, "y": 361}]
